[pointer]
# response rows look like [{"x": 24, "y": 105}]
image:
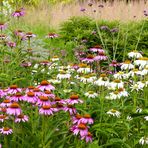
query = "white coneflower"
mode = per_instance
[
  {"x": 91, "y": 94},
  {"x": 142, "y": 62},
  {"x": 134, "y": 54},
  {"x": 121, "y": 75},
  {"x": 83, "y": 68},
  {"x": 87, "y": 79},
  {"x": 146, "y": 118},
  {"x": 102, "y": 81},
  {"x": 114, "y": 113},
  {"x": 134, "y": 72},
  {"x": 145, "y": 71},
  {"x": 54, "y": 81},
  {"x": 137, "y": 86},
  {"x": 143, "y": 140},
  {"x": 55, "y": 58},
  {"x": 127, "y": 65},
  {"x": 113, "y": 96},
  {"x": 138, "y": 110},
  {"x": 63, "y": 75},
  {"x": 117, "y": 84},
  {"x": 123, "y": 92}
]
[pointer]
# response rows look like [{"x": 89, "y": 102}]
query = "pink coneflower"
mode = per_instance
[
  {"x": 14, "y": 109},
  {"x": 86, "y": 119},
  {"x": 6, "y": 131},
  {"x": 100, "y": 56},
  {"x": 46, "y": 110},
  {"x": 96, "y": 48},
  {"x": 43, "y": 100},
  {"x": 49, "y": 94},
  {"x": 3, "y": 26},
  {"x": 45, "y": 63},
  {"x": 3, "y": 110},
  {"x": 3, "y": 117},
  {"x": 76, "y": 118},
  {"x": 30, "y": 97},
  {"x": 52, "y": 35},
  {"x": 30, "y": 35},
  {"x": 45, "y": 85},
  {"x": 26, "y": 64},
  {"x": 30, "y": 88},
  {"x": 88, "y": 137},
  {"x": 114, "y": 63},
  {"x": 88, "y": 59},
  {"x": 80, "y": 128},
  {"x": 16, "y": 97},
  {"x": 11, "y": 44},
  {"x": 20, "y": 34},
  {"x": 59, "y": 100},
  {"x": 71, "y": 109},
  {"x": 13, "y": 89},
  {"x": 5, "y": 103},
  {"x": 54, "y": 108},
  {"x": 18, "y": 13},
  {"x": 74, "y": 99},
  {"x": 38, "y": 92},
  {"x": 21, "y": 118}
]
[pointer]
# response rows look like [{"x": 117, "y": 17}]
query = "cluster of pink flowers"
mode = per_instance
[
  {"x": 80, "y": 126},
  {"x": 47, "y": 103}
]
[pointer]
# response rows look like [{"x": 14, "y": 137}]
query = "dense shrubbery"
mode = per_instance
[{"x": 79, "y": 29}]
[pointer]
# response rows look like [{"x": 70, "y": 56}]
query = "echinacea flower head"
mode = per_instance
[
  {"x": 143, "y": 140},
  {"x": 46, "y": 110},
  {"x": 88, "y": 59},
  {"x": 16, "y": 97},
  {"x": 81, "y": 129},
  {"x": 114, "y": 113},
  {"x": 87, "y": 137},
  {"x": 116, "y": 84},
  {"x": 6, "y": 131},
  {"x": 3, "y": 26},
  {"x": 91, "y": 94},
  {"x": 18, "y": 13},
  {"x": 134, "y": 54},
  {"x": 74, "y": 99},
  {"x": 3, "y": 117},
  {"x": 52, "y": 35},
  {"x": 45, "y": 85},
  {"x": 76, "y": 118},
  {"x": 70, "y": 108},
  {"x": 11, "y": 44},
  {"x": 114, "y": 63},
  {"x": 30, "y": 97},
  {"x": 102, "y": 81},
  {"x": 63, "y": 75},
  {"x": 14, "y": 109},
  {"x": 21, "y": 118},
  {"x": 5, "y": 103},
  {"x": 43, "y": 100},
  {"x": 101, "y": 56},
  {"x": 127, "y": 65},
  {"x": 141, "y": 62},
  {"x": 3, "y": 36},
  {"x": 13, "y": 89},
  {"x": 86, "y": 119},
  {"x": 30, "y": 35}
]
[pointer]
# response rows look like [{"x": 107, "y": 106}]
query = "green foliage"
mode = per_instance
[{"x": 77, "y": 29}]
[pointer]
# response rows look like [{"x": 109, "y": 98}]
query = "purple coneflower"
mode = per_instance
[
  {"x": 6, "y": 131},
  {"x": 45, "y": 63},
  {"x": 114, "y": 63},
  {"x": 52, "y": 35},
  {"x": 45, "y": 85},
  {"x": 21, "y": 118},
  {"x": 30, "y": 35},
  {"x": 101, "y": 56},
  {"x": 11, "y": 44},
  {"x": 30, "y": 97},
  {"x": 5, "y": 103},
  {"x": 88, "y": 59},
  {"x": 86, "y": 119},
  {"x": 18, "y": 13},
  {"x": 46, "y": 110},
  {"x": 80, "y": 128},
  {"x": 76, "y": 118},
  {"x": 87, "y": 137},
  {"x": 30, "y": 88},
  {"x": 96, "y": 48},
  {"x": 26, "y": 64},
  {"x": 104, "y": 28},
  {"x": 14, "y": 109},
  {"x": 71, "y": 109},
  {"x": 43, "y": 101},
  {"x": 13, "y": 89},
  {"x": 49, "y": 94},
  {"x": 38, "y": 92},
  {"x": 74, "y": 99},
  {"x": 3, "y": 117},
  {"x": 16, "y": 97},
  {"x": 3, "y": 26}
]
